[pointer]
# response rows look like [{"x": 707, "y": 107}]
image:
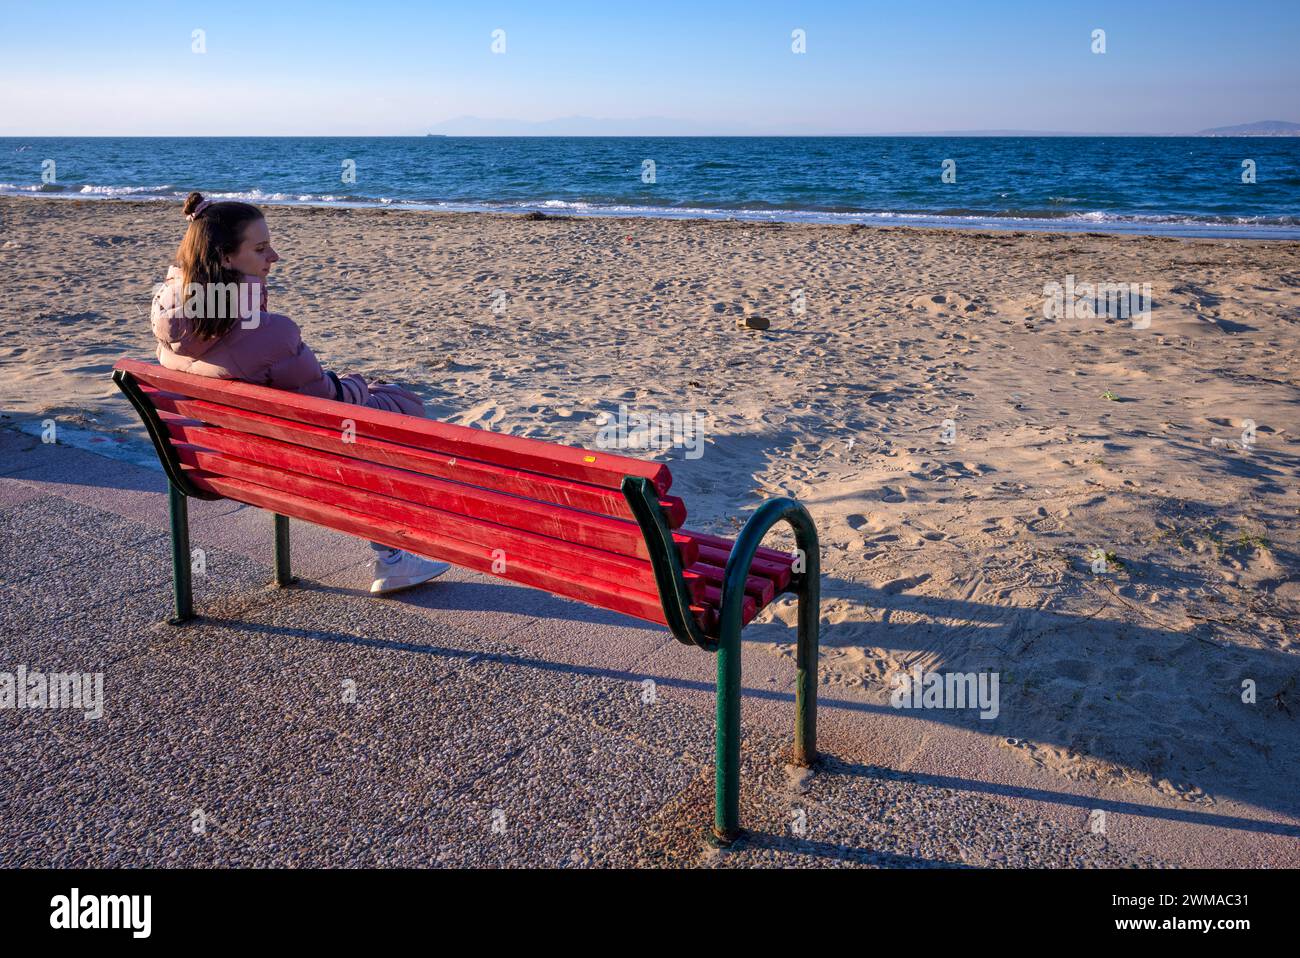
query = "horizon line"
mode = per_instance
[{"x": 954, "y": 134}]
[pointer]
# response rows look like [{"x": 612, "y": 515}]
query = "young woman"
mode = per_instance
[{"x": 200, "y": 330}]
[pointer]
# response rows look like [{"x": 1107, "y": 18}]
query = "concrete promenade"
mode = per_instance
[{"x": 470, "y": 722}]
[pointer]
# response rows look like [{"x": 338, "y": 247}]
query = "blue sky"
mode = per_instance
[{"x": 376, "y": 67}]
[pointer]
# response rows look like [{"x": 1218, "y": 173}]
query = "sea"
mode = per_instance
[{"x": 1181, "y": 186}]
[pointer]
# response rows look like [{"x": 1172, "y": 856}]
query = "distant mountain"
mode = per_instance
[
  {"x": 579, "y": 126},
  {"x": 651, "y": 126},
  {"x": 668, "y": 126},
  {"x": 1258, "y": 128},
  {"x": 1004, "y": 133}
]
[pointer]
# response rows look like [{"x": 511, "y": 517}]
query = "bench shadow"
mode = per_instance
[
  {"x": 834, "y": 766},
  {"x": 491, "y": 595},
  {"x": 834, "y": 851},
  {"x": 1112, "y": 696}
]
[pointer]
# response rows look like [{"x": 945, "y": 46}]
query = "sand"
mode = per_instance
[{"x": 969, "y": 555}]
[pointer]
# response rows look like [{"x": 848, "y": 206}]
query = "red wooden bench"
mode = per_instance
[{"x": 592, "y": 526}]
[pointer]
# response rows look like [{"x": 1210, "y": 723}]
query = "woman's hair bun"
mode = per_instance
[{"x": 191, "y": 203}]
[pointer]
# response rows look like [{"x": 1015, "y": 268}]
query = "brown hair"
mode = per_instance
[{"x": 216, "y": 231}]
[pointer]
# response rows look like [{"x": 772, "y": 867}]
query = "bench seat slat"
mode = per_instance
[
  {"x": 488, "y": 536},
  {"x": 600, "y": 532},
  {"x": 568, "y": 462},
  {"x": 516, "y": 482},
  {"x": 780, "y": 573},
  {"x": 759, "y": 588},
  {"x": 712, "y": 618},
  {"x": 717, "y": 542}
]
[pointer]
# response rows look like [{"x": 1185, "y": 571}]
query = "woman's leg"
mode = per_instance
[
  {"x": 384, "y": 398},
  {"x": 394, "y": 568}
]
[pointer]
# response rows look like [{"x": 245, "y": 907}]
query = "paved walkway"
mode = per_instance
[{"x": 470, "y": 722}]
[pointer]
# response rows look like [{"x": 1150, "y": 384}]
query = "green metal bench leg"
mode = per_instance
[
  {"x": 726, "y": 800},
  {"x": 642, "y": 499},
  {"x": 180, "y": 488},
  {"x": 805, "y": 689},
  {"x": 182, "y": 586},
  {"x": 726, "y": 764},
  {"x": 283, "y": 573},
  {"x": 807, "y": 584}
]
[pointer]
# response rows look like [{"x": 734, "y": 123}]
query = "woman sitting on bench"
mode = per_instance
[{"x": 209, "y": 317}]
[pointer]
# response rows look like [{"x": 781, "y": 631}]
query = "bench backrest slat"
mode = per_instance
[
  {"x": 565, "y": 492},
  {"x": 601, "y": 532},
  {"x": 534, "y": 455}
]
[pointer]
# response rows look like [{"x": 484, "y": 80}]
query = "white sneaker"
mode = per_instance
[{"x": 404, "y": 570}]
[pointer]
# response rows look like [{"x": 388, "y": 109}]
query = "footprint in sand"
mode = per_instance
[
  {"x": 483, "y": 416},
  {"x": 894, "y": 586},
  {"x": 893, "y": 494}
]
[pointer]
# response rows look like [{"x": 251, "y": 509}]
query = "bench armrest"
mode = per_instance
[
  {"x": 644, "y": 502},
  {"x": 805, "y": 581},
  {"x": 159, "y": 436},
  {"x": 643, "y": 499}
]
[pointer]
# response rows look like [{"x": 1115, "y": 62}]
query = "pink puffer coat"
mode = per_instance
[{"x": 264, "y": 348}]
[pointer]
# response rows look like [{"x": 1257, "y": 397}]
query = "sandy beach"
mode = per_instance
[{"x": 964, "y": 458}]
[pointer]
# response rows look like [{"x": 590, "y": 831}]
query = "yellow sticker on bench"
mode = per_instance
[{"x": 588, "y": 458}]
